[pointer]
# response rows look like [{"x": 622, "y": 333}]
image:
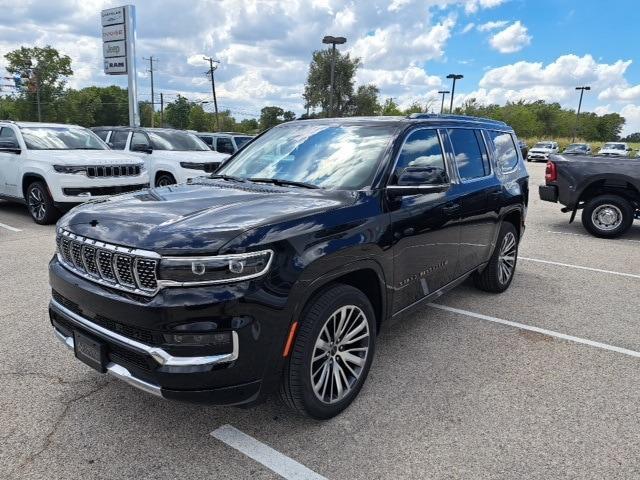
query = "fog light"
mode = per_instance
[{"x": 215, "y": 339}]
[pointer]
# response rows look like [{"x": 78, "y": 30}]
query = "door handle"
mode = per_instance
[{"x": 451, "y": 208}]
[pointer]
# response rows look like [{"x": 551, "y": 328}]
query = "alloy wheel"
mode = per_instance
[
  {"x": 507, "y": 258},
  {"x": 340, "y": 354},
  {"x": 36, "y": 203}
]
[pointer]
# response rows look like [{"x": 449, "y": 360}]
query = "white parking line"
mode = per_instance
[
  {"x": 590, "y": 236},
  {"x": 543, "y": 331},
  {"x": 10, "y": 228},
  {"x": 267, "y": 456},
  {"x": 580, "y": 267}
]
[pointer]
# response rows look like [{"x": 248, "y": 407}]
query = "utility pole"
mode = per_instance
[
  {"x": 38, "y": 96},
  {"x": 575, "y": 130},
  {"x": 443, "y": 92},
  {"x": 213, "y": 86},
  {"x": 153, "y": 98},
  {"x": 161, "y": 109},
  {"x": 329, "y": 40},
  {"x": 454, "y": 76}
]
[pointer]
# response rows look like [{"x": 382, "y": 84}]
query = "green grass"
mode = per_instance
[{"x": 564, "y": 142}]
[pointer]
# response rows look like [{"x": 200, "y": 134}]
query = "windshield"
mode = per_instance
[
  {"x": 577, "y": 146},
  {"x": 326, "y": 155},
  {"x": 240, "y": 141},
  {"x": 175, "y": 140},
  {"x": 543, "y": 145},
  {"x": 61, "y": 138},
  {"x": 614, "y": 146}
]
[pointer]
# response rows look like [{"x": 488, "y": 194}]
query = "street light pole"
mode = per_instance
[
  {"x": 443, "y": 92},
  {"x": 575, "y": 130},
  {"x": 329, "y": 40},
  {"x": 454, "y": 77}
]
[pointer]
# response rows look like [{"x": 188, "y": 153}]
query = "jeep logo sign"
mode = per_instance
[{"x": 114, "y": 49}]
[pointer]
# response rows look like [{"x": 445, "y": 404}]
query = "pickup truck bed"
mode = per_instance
[{"x": 606, "y": 189}]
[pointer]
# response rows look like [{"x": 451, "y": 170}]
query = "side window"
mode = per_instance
[
  {"x": 207, "y": 140},
  {"x": 224, "y": 145},
  {"x": 420, "y": 161},
  {"x": 102, "y": 134},
  {"x": 470, "y": 156},
  {"x": 8, "y": 135},
  {"x": 504, "y": 150},
  {"x": 119, "y": 139},
  {"x": 139, "y": 139}
]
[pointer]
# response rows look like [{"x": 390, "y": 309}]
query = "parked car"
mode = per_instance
[
  {"x": 51, "y": 167},
  {"x": 277, "y": 272},
  {"x": 172, "y": 156},
  {"x": 615, "y": 149},
  {"x": 542, "y": 150},
  {"x": 577, "y": 149},
  {"x": 225, "y": 142},
  {"x": 524, "y": 148},
  {"x": 607, "y": 190}
]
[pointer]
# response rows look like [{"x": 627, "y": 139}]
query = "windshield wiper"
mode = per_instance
[
  {"x": 283, "y": 183},
  {"x": 229, "y": 178}
]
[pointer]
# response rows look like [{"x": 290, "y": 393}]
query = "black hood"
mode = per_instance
[{"x": 195, "y": 218}]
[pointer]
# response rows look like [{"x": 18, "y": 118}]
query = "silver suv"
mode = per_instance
[{"x": 225, "y": 142}]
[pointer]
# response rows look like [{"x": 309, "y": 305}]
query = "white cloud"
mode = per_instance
[
  {"x": 512, "y": 39},
  {"x": 472, "y": 6},
  {"x": 468, "y": 27},
  {"x": 488, "y": 26},
  {"x": 631, "y": 113},
  {"x": 621, "y": 93}
]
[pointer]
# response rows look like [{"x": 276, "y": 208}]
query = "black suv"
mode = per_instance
[{"x": 277, "y": 272}]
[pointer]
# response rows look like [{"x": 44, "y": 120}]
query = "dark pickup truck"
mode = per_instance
[{"x": 606, "y": 189}]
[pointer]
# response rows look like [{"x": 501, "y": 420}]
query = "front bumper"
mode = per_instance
[{"x": 67, "y": 188}]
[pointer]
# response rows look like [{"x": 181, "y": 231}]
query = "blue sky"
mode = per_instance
[{"x": 507, "y": 49}]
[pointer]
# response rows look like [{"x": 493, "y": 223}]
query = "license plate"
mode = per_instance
[{"x": 90, "y": 351}]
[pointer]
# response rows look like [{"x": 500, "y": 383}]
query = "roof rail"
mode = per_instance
[{"x": 447, "y": 116}]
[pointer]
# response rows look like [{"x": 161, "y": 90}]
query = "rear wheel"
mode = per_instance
[
  {"x": 40, "y": 204},
  {"x": 164, "y": 180},
  {"x": 607, "y": 216},
  {"x": 332, "y": 353},
  {"x": 498, "y": 274}
]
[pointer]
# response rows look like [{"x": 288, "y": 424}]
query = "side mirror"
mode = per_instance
[
  {"x": 419, "y": 180},
  {"x": 9, "y": 146},
  {"x": 141, "y": 147}
]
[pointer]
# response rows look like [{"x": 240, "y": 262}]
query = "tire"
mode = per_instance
[
  {"x": 499, "y": 272},
  {"x": 322, "y": 310},
  {"x": 40, "y": 204},
  {"x": 607, "y": 216},
  {"x": 165, "y": 179}
]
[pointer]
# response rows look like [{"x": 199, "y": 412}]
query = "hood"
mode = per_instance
[
  {"x": 195, "y": 218},
  {"x": 84, "y": 157},
  {"x": 190, "y": 156},
  {"x": 576, "y": 151},
  {"x": 541, "y": 150}
]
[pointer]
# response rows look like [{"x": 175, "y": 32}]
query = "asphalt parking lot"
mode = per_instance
[{"x": 453, "y": 393}]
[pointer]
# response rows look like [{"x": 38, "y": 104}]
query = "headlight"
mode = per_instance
[
  {"x": 70, "y": 168},
  {"x": 188, "y": 271},
  {"x": 192, "y": 165}
]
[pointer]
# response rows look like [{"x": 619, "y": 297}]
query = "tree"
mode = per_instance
[
  {"x": 199, "y": 120},
  {"x": 176, "y": 113},
  {"x": 270, "y": 116},
  {"x": 365, "y": 101},
  {"x": 390, "y": 108},
  {"x": 634, "y": 137},
  {"x": 45, "y": 70},
  {"x": 317, "y": 90},
  {"x": 248, "y": 125}
]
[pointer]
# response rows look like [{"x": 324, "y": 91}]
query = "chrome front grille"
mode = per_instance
[
  {"x": 113, "y": 171},
  {"x": 118, "y": 267}
]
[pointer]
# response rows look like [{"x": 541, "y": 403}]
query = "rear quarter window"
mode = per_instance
[{"x": 504, "y": 150}]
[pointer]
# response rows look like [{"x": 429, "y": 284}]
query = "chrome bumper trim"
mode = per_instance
[
  {"x": 158, "y": 354},
  {"x": 116, "y": 369}
]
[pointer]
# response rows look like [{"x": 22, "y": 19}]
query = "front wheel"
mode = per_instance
[
  {"x": 332, "y": 353},
  {"x": 40, "y": 204},
  {"x": 164, "y": 180},
  {"x": 498, "y": 274},
  {"x": 607, "y": 216}
]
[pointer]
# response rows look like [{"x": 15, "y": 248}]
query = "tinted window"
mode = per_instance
[
  {"x": 469, "y": 154},
  {"x": 119, "y": 139},
  {"x": 224, "y": 145},
  {"x": 207, "y": 140},
  {"x": 504, "y": 150},
  {"x": 240, "y": 141},
  {"x": 176, "y": 140},
  {"x": 139, "y": 139},
  {"x": 102, "y": 134},
  {"x": 328, "y": 155},
  {"x": 8, "y": 135},
  {"x": 420, "y": 160}
]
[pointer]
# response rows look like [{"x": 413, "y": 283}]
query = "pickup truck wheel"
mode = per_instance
[
  {"x": 332, "y": 353},
  {"x": 607, "y": 216},
  {"x": 40, "y": 204},
  {"x": 165, "y": 179},
  {"x": 498, "y": 274}
]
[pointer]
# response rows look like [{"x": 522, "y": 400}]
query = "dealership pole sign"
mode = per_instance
[{"x": 119, "y": 51}]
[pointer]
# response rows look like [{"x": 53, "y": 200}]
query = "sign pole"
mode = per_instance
[{"x": 130, "y": 21}]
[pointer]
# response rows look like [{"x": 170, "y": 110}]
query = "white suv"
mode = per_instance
[
  {"x": 615, "y": 149},
  {"x": 172, "y": 156},
  {"x": 542, "y": 150},
  {"x": 52, "y": 167}
]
